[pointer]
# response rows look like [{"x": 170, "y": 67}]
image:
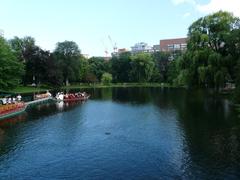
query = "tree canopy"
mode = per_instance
[
  {"x": 10, "y": 69},
  {"x": 212, "y": 54},
  {"x": 68, "y": 56}
]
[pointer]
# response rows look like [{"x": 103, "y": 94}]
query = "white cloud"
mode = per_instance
[
  {"x": 232, "y": 6},
  {"x": 212, "y": 6}
]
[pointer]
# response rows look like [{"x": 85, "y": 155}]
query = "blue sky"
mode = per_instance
[{"x": 90, "y": 22}]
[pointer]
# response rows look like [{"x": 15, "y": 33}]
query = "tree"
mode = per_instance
[
  {"x": 173, "y": 71},
  {"x": 23, "y": 47},
  {"x": 162, "y": 60},
  {"x": 211, "y": 56},
  {"x": 121, "y": 66},
  {"x": 53, "y": 75},
  {"x": 106, "y": 78},
  {"x": 212, "y": 31},
  {"x": 38, "y": 65},
  {"x": 237, "y": 90},
  {"x": 68, "y": 56},
  {"x": 10, "y": 69},
  {"x": 98, "y": 66},
  {"x": 83, "y": 69},
  {"x": 27, "y": 52},
  {"x": 142, "y": 66}
]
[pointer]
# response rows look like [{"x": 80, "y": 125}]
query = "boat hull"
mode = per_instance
[
  {"x": 76, "y": 99},
  {"x": 13, "y": 113},
  {"x": 22, "y": 109}
]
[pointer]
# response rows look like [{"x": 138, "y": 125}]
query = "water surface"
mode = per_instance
[{"x": 124, "y": 133}]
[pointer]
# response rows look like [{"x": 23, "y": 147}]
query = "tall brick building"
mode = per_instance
[{"x": 171, "y": 45}]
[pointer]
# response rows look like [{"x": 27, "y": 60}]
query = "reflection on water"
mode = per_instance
[
  {"x": 134, "y": 133},
  {"x": 60, "y": 105},
  {"x": 13, "y": 120}
]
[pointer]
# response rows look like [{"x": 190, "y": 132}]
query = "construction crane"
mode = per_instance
[
  {"x": 106, "y": 49},
  {"x": 114, "y": 45}
]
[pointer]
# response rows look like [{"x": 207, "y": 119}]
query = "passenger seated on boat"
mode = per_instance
[
  {"x": 9, "y": 101},
  {"x": 66, "y": 96},
  {"x": 14, "y": 100},
  {"x": 19, "y": 97},
  {"x": 4, "y": 101}
]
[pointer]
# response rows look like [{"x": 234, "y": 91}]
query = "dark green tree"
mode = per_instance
[
  {"x": 142, "y": 67},
  {"x": 162, "y": 61},
  {"x": 26, "y": 52},
  {"x": 121, "y": 67},
  {"x": 97, "y": 66},
  {"x": 68, "y": 56},
  {"x": 53, "y": 75},
  {"x": 208, "y": 61},
  {"x": 11, "y": 70}
]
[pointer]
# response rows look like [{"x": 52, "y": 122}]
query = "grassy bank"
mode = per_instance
[
  {"x": 28, "y": 89},
  {"x": 25, "y": 90},
  {"x": 99, "y": 85}
]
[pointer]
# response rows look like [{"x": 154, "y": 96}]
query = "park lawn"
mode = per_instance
[
  {"x": 99, "y": 85},
  {"x": 27, "y": 89}
]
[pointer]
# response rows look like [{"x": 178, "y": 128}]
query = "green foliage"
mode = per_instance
[
  {"x": 98, "y": 66},
  {"x": 68, "y": 56},
  {"x": 162, "y": 63},
  {"x": 26, "y": 52},
  {"x": 211, "y": 31},
  {"x": 53, "y": 74},
  {"x": 83, "y": 69},
  {"x": 237, "y": 90},
  {"x": 213, "y": 47},
  {"x": 10, "y": 69},
  {"x": 173, "y": 71},
  {"x": 121, "y": 67},
  {"x": 142, "y": 66},
  {"x": 106, "y": 78}
]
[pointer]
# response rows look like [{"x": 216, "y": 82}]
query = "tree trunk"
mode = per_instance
[{"x": 67, "y": 82}]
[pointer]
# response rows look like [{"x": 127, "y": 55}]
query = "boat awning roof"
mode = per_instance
[{"x": 5, "y": 94}]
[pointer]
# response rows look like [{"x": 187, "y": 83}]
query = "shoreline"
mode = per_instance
[{"x": 29, "y": 89}]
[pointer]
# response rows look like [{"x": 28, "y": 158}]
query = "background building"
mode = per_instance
[
  {"x": 171, "y": 45},
  {"x": 141, "y": 47},
  {"x": 120, "y": 51},
  {"x": 156, "y": 48}
]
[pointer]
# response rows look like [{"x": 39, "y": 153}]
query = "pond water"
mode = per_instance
[{"x": 124, "y": 133}]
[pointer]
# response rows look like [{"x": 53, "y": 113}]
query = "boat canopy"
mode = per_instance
[{"x": 6, "y": 94}]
